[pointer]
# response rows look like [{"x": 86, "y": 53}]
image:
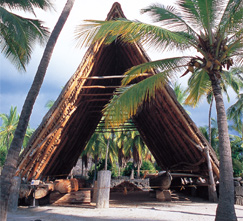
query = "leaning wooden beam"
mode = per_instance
[
  {"x": 100, "y": 86},
  {"x": 212, "y": 187},
  {"x": 93, "y": 100},
  {"x": 112, "y": 77},
  {"x": 108, "y": 94}
]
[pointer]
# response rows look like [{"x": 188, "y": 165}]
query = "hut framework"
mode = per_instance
[{"x": 170, "y": 134}]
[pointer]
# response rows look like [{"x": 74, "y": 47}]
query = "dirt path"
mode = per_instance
[{"x": 134, "y": 206}]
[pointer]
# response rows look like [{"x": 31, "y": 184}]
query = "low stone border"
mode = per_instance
[{"x": 238, "y": 183}]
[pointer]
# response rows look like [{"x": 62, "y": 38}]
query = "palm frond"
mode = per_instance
[
  {"x": 232, "y": 80},
  {"x": 18, "y": 36},
  {"x": 198, "y": 85},
  {"x": 232, "y": 16},
  {"x": 132, "y": 31},
  {"x": 170, "y": 65},
  {"x": 235, "y": 112},
  {"x": 169, "y": 17},
  {"x": 123, "y": 106},
  {"x": 27, "y": 5},
  {"x": 201, "y": 13}
]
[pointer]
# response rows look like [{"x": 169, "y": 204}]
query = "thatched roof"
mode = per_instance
[{"x": 168, "y": 131}]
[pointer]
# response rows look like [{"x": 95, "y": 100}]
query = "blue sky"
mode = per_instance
[{"x": 14, "y": 85}]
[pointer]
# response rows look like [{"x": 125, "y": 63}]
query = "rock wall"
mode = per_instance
[
  {"x": 140, "y": 183},
  {"x": 238, "y": 183}
]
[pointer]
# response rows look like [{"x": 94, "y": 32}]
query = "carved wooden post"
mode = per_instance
[{"x": 103, "y": 194}]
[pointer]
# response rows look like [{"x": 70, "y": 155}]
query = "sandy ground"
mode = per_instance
[{"x": 134, "y": 206}]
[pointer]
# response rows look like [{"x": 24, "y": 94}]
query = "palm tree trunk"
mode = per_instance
[
  {"x": 138, "y": 173},
  {"x": 95, "y": 171},
  {"x": 132, "y": 172},
  {"x": 209, "y": 122},
  {"x": 8, "y": 138},
  {"x": 9, "y": 168},
  {"x": 225, "y": 209},
  {"x": 106, "y": 154}
]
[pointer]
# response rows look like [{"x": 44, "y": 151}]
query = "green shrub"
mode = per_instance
[
  {"x": 147, "y": 166},
  {"x": 101, "y": 166},
  {"x": 128, "y": 169}
]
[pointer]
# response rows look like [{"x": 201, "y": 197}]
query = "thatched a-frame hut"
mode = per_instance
[{"x": 168, "y": 131}]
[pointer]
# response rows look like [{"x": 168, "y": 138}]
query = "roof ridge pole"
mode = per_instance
[{"x": 212, "y": 194}]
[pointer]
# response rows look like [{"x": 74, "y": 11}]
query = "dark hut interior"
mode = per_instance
[{"x": 170, "y": 134}]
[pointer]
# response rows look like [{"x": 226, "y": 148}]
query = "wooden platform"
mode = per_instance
[{"x": 78, "y": 197}]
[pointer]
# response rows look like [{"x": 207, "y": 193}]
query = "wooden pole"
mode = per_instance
[
  {"x": 103, "y": 194},
  {"x": 212, "y": 194}
]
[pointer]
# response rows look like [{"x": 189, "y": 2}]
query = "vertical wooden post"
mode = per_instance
[
  {"x": 212, "y": 194},
  {"x": 95, "y": 190},
  {"x": 14, "y": 194},
  {"x": 103, "y": 194}
]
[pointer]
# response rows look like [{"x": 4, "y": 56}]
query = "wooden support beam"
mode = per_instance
[
  {"x": 93, "y": 100},
  {"x": 112, "y": 77},
  {"x": 108, "y": 94},
  {"x": 100, "y": 86}
]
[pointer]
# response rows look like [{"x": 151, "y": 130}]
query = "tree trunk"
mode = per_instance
[
  {"x": 14, "y": 194},
  {"x": 209, "y": 122},
  {"x": 138, "y": 172},
  {"x": 106, "y": 154},
  {"x": 95, "y": 171},
  {"x": 225, "y": 209},
  {"x": 132, "y": 172},
  {"x": 9, "y": 168}
]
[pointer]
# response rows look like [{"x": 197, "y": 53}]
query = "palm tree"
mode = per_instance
[
  {"x": 199, "y": 85},
  {"x": 11, "y": 162},
  {"x": 134, "y": 147},
  {"x": 93, "y": 148},
  {"x": 235, "y": 113},
  {"x": 214, "y": 135},
  {"x": 18, "y": 34},
  {"x": 210, "y": 27},
  {"x": 9, "y": 124},
  {"x": 180, "y": 93},
  {"x": 120, "y": 139}
]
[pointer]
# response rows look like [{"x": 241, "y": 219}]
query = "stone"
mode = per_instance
[{"x": 164, "y": 195}]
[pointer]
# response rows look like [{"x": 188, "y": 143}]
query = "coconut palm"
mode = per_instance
[
  {"x": 235, "y": 113},
  {"x": 18, "y": 34},
  {"x": 214, "y": 135},
  {"x": 15, "y": 148},
  {"x": 134, "y": 147},
  {"x": 120, "y": 139},
  {"x": 199, "y": 85},
  {"x": 9, "y": 124},
  {"x": 214, "y": 30},
  {"x": 93, "y": 149},
  {"x": 180, "y": 92}
]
